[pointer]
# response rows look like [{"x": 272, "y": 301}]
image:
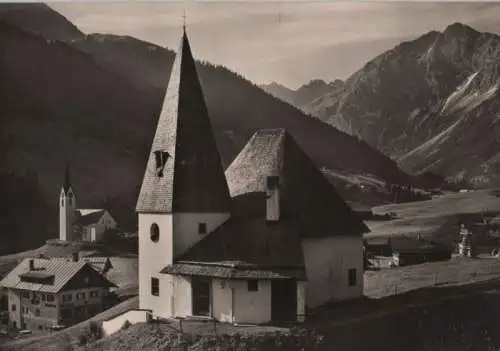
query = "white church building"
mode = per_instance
[
  {"x": 254, "y": 244},
  {"x": 80, "y": 224}
]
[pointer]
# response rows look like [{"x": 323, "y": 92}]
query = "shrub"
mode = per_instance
[
  {"x": 297, "y": 339},
  {"x": 95, "y": 330},
  {"x": 82, "y": 339}
]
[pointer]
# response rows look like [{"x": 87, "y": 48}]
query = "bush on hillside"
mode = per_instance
[
  {"x": 297, "y": 339},
  {"x": 82, "y": 340},
  {"x": 95, "y": 330}
]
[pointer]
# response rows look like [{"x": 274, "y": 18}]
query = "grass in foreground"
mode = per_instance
[{"x": 163, "y": 337}]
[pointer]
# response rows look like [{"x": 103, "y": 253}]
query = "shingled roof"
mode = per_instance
[
  {"x": 60, "y": 271},
  {"x": 245, "y": 247},
  {"x": 100, "y": 264},
  {"x": 192, "y": 178},
  {"x": 306, "y": 196},
  {"x": 90, "y": 218}
]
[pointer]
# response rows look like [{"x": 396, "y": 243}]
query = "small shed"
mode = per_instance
[
  {"x": 378, "y": 246},
  {"x": 409, "y": 251}
]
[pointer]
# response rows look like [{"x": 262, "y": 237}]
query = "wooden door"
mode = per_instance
[{"x": 284, "y": 300}]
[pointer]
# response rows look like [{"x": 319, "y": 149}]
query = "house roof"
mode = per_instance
[
  {"x": 100, "y": 264},
  {"x": 90, "y": 218},
  {"x": 252, "y": 241},
  {"x": 62, "y": 271},
  {"x": 403, "y": 244},
  {"x": 242, "y": 246},
  {"x": 495, "y": 220},
  {"x": 86, "y": 211},
  {"x": 233, "y": 272},
  {"x": 378, "y": 241},
  {"x": 193, "y": 177},
  {"x": 305, "y": 194}
]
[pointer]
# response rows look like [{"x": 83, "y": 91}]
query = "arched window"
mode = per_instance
[
  {"x": 62, "y": 202},
  {"x": 155, "y": 232}
]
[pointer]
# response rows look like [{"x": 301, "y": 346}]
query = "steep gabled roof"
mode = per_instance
[
  {"x": 193, "y": 178},
  {"x": 100, "y": 264},
  {"x": 89, "y": 218},
  {"x": 306, "y": 196},
  {"x": 62, "y": 272}
]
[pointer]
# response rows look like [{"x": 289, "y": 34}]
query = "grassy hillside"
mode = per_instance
[{"x": 439, "y": 216}]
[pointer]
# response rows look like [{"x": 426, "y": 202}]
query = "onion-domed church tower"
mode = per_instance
[{"x": 67, "y": 209}]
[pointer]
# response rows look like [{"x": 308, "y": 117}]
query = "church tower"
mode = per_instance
[
  {"x": 184, "y": 194},
  {"x": 67, "y": 208}
]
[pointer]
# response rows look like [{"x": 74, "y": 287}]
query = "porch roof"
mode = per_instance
[{"x": 234, "y": 270}]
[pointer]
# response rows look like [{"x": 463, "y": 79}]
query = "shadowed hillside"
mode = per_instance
[{"x": 94, "y": 101}]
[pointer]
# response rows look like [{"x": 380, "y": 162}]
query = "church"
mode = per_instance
[
  {"x": 257, "y": 243},
  {"x": 80, "y": 224}
]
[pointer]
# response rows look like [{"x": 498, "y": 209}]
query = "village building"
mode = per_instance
[
  {"x": 81, "y": 224},
  {"x": 99, "y": 263},
  {"x": 255, "y": 244},
  {"x": 43, "y": 293},
  {"x": 405, "y": 251}
]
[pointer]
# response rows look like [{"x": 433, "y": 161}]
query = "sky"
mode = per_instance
[{"x": 288, "y": 42}]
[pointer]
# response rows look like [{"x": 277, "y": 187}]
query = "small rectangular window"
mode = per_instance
[
  {"x": 37, "y": 312},
  {"x": 155, "y": 287},
  {"x": 253, "y": 285},
  {"x": 26, "y": 294},
  {"x": 351, "y": 277},
  {"x": 13, "y": 308},
  {"x": 80, "y": 296},
  {"x": 50, "y": 298},
  {"x": 202, "y": 228}
]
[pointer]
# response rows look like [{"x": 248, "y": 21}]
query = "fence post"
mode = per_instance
[
  {"x": 180, "y": 325},
  {"x": 395, "y": 289},
  {"x": 215, "y": 327}
]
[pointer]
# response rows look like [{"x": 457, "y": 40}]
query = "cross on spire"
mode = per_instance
[{"x": 184, "y": 20}]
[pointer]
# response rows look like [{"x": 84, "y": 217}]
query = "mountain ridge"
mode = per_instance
[
  {"x": 403, "y": 101},
  {"x": 303, "y": 95},
  {"x": 85, "y": 101}
]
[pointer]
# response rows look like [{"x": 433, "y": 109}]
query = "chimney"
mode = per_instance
[
  {"x": 75, "y": 256},
  {"x": 272, "y": 199},
  {"x": 32, "y": 264}
]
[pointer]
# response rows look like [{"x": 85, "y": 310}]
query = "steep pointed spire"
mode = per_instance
[
  {"x": 184, "y": 22},
  {"x": 67, "y": 179},
  {"x": 184, "y": 171}
]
